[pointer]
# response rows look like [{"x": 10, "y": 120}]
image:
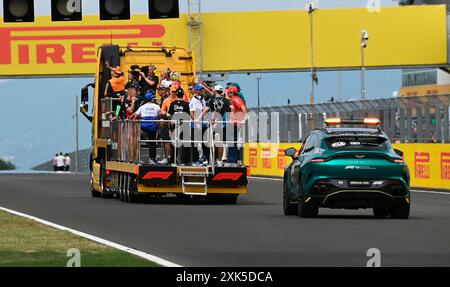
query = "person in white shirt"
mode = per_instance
[
  {"x": 148, "y": 111},
  {"x": 60, "y": 162},
  {"x": 54, "y": 163},
  {"x": 200, "y": 152},
  {"x": 66, "y": 162}
]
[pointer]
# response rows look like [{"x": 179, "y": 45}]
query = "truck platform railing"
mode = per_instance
[{"x": 128, "y": 145}]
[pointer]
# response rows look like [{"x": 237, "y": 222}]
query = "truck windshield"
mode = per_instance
[{"x": 357, "y": 143}]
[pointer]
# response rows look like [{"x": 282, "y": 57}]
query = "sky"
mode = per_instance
[{"x": 37, "y": 115}]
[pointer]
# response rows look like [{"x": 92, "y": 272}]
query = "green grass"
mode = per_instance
[{"x": 25, "y": 243}]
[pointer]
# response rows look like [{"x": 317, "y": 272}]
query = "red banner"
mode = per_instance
[
  {"x": 422, "y": 165},
  {"x": 445, "y": 165},
  {"x": 266, "y": 158}
]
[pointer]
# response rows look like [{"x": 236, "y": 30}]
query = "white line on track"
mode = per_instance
[
  {"x": 430, "y": 191},
  {"x": 141, "y": 254},
  {"x": 414, "y": 190}
]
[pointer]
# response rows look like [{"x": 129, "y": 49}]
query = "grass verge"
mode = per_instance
[{"x": 26, "y": 243}]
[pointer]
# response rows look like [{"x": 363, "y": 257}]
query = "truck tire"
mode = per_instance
[
  {"x": 230, "y": 198},
  {"x": 106, "y": 192},
  {"x": 131, "y": 189},
  {"x": 94, "y": 193}
]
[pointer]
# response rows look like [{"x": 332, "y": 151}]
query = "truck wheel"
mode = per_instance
[
  {"x": 131, "y": 189},
  {"x": 230, "y": 198},
  {"x": 94, "y": 193},
  {"x": 400, "y": 211},
  {"x": 380, "y": 212},
  {"x": 288, "y": 207},
  {"x": 120, "y": 187},
  {"x": 105, "y": 191}
]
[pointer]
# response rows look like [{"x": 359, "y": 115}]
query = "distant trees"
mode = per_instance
[{"x": 6, "y": 165}]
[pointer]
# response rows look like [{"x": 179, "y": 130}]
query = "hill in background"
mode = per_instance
[{"x": 6, "y": 165}]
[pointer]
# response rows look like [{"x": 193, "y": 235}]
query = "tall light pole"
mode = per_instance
[
  {"x": 258, "y": 80},
  {"x": 311, "y": 7},
  {"x": 77, "y": 162},
  {"x": 364, "y": 40}
]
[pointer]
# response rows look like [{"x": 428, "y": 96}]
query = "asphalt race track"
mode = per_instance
[{"x": 252, "y": 233}]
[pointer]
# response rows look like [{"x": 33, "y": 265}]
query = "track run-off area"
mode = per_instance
[{"x": 252, "y": 233}]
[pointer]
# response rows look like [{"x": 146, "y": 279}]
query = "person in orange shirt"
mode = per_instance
[
  {"x": 165, "y": 129},
  {"x": 116, "y": 84}
]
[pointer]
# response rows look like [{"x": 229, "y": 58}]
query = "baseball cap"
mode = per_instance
[
  {"x": 117, "y": 70},
  {"x": 218, "y": 88},
  {"x": 232, "y": 89},
  {"x": 176, "y": 85},
  {"x": 166, "y": 84},
  {"x": 149, "y": 96},
  {"x": 180, "y": 92},
  {"x": 234, "y": 85},
  {"x": 198, "y": 87}
]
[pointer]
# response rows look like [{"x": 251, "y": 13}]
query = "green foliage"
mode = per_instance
[{"x": 6, "y": 165}]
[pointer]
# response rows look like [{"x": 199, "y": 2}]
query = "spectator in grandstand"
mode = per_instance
[
  {"x": 67, "y": 161},
  {"x": 148, "y": 113},
  {"x": 149, "y": 80},
  {"x": 199, "y": 151},
  {"x": 218, "y": 106},
  {"x": 237, "y": 117},
  {"x": 179, "y": 111}
]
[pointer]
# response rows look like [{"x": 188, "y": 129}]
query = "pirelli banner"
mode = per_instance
[
  {"x": 236, "y": 41},
  {"x": 429, "y": 164}
]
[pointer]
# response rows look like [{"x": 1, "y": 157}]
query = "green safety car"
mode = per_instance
[{"x": 349, "y": 164}]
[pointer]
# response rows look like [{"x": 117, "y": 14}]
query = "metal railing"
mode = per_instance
[
  {"x": 126, "y": 143},
  {"x": 404, "y": 119}
]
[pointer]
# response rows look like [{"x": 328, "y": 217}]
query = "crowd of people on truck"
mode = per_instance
[
  {"x": 61, "y": 162},
  {"x": 157, "y": 101}
]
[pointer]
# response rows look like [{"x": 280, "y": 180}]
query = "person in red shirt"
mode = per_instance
[{"x": 237, "y": 118}]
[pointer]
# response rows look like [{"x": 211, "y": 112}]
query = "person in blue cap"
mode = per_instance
[{"x": 149, "y": 114}]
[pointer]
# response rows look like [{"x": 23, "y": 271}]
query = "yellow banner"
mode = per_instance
[
  {"x": 429, "y": 164},
  {"x": 69, "y": 48},
  {"x": 399, "y": 36},
  {"x": 237, "y": 41}
]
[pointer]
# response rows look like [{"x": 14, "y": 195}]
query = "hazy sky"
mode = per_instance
[
  {"x": 42, "y": 7},
  {"x": 37, "y": 115}
]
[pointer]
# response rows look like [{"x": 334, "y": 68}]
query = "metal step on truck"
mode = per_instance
[{"x": 119, "y": 160}]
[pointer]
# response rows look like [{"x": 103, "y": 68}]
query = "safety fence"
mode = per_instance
[
  {"x": 429, "y": 163},
  {"x": 404, "y": 119}
]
